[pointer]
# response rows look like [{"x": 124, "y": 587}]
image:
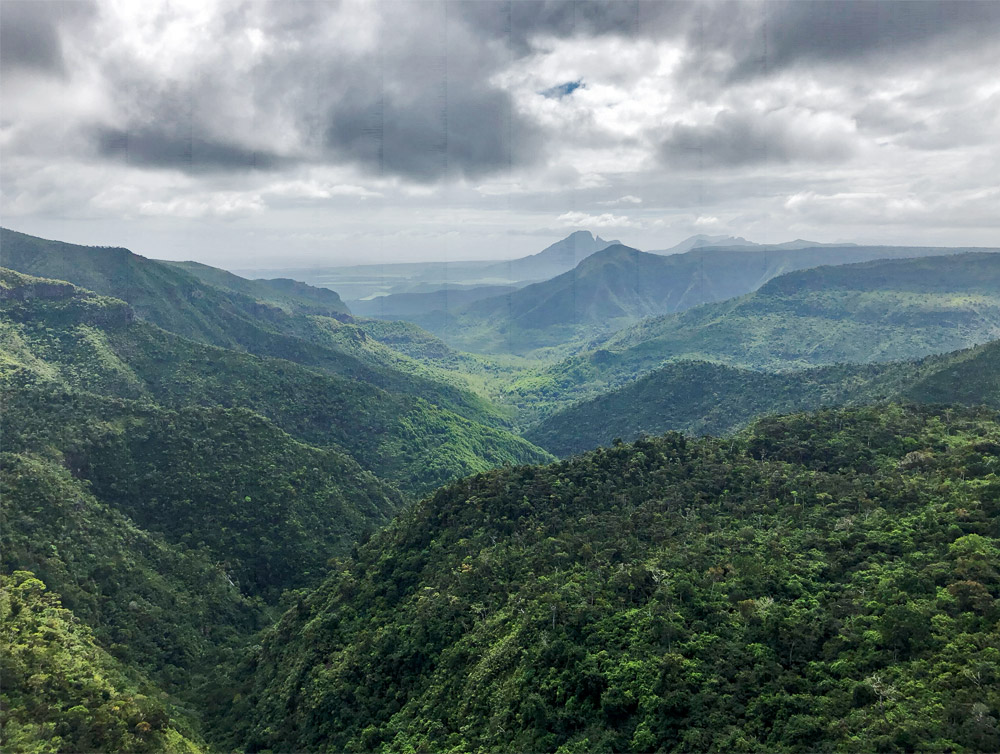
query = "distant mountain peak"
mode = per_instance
[
  {"x": 554, "y": 259},
  {"x": 701, "y": 240}
]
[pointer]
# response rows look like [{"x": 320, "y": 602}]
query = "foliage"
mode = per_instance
[
  {"x": 180, "y": 302},
  {"x": 170, "y": 611},
  {"x": 872, "y": 312},
  {"x": 62, "y": 693},
  {"x": 398, "y": 436},
  {"x": 701, "y": 397},
  {"x": 821, "y": 581}
]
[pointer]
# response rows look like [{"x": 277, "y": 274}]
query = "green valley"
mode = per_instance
[
  {"x": 699, "y": 397},
  {"x": 237, "y": 517},
  {"x": 869, "y": 312}
]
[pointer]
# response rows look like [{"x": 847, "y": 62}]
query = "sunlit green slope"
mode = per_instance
[
  {"x": 871, "y": 312},
  {"x": 93, "y": 343},
  {"x": 701, "y": 397},
  {"x": 823, "y": 581}
]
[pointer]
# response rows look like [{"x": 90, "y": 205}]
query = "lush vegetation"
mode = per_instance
[
  {"x": 818, "y": 582},
  {"x": 92, "y": 343},
  {"x": 860, "y": 313},
  {"x": 188, "y": 454},
  {"x": 183, "y": 303},
  {"x": 704, "y": 398},
  {"x": 617, "y": 286},
  {"x": 269, "y": 509},
  {"x": 63, "y": 693}
]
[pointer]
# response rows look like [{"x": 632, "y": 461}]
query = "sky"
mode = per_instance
[{"x": 277, "y": 133}]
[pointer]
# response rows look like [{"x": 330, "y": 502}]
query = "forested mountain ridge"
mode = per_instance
[
  {"x": 290, "y": 295},
  {"x": 869, "y": 312},
  {"x": 171, "y": 533},
  {"x": 92, "y": 343},
  {"x": 270, "y": 509},
  {"x": 707, "y": 398},
  {"x": 182, "y": 303},
  {"x": 618, "y": 285},
  {"x": 820, "y": 581}
]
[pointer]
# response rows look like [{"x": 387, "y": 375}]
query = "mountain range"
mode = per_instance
[
  {"x": 698, "y": 397},
  {"x": 619, "y": 286},
  {"x": 294, "y": 369},
  {"x": 867, "y": 312},
  {"x": 238, "y": 517}
]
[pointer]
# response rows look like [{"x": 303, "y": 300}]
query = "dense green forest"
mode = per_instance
[
  {"x": 63, "y": 693},
  {"x": 94, "y": 343},
  {"x": 861, "y": 313},
  {"x": 617, "y": 286},
  {"x": 700, "y": 397},
  {"x": 820, "y": 581},
  {"x": 237, "y": 518}
]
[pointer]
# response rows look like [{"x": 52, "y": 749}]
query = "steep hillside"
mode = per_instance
[
  {"x": 269, "y": 509},
  {"x": 92, "y": 343},
  {"x": 618, "y": 286},
  {"x": 290, "y": 295},
  {"x": 870, "y": 312},
  {"x": 63, "y": 693},
  {"x": 181, "y": 303},
  {"x": 701, "y": 397},
  {"x": 820, "y": 582},
  {"x": 166, "y": 610}
]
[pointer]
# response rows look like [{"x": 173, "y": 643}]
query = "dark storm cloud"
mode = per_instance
[
  {"x": 421, "y": 106},
  {"x": 418, "y": 104},
  {"x": 770, "y": 36},
  {"x": 151, "y": 147},
  {"x": 434, "y": 125},
  {"x": 519, "y": 22},
  {"x": 29, "y": 32},
  {"x": 423, "y": 102},
  {"x": 736, "y": 139}
]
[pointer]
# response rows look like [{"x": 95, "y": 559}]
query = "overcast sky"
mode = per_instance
[{"x": 261, "y": 134}]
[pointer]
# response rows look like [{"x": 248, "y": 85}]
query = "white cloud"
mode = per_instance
[
  {"x": 584, "y": 220},
  {"x": 665, "y": 133},
  {"x": 627, "y": 199}
]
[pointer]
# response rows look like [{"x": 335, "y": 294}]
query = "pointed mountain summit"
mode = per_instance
[{"x": 553, "y": 260}]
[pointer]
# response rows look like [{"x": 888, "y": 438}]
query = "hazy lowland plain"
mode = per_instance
[{"x": 250, "y": 512}]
